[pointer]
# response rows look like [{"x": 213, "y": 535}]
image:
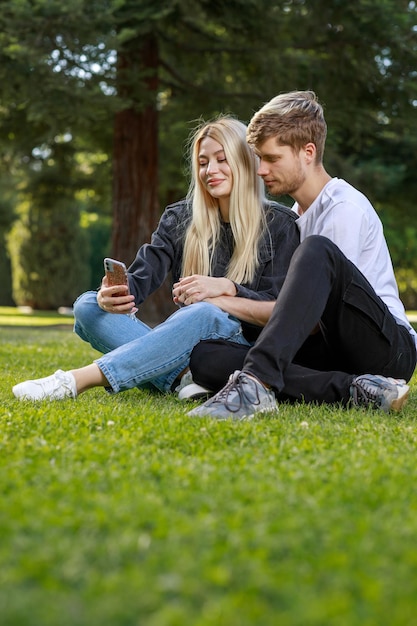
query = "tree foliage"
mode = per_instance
[
  {"x": 48, "y": 247},
  {"x": 129, "y": 78}
]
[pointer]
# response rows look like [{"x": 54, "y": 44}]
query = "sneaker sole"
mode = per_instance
[
  {"x": 196, "y": 396},
  {"x": 232, "y": 416},
  {"x": 398, "y": 403},
  {"x": 256, "y": 414},
  {"x": 194, "y": 392}
]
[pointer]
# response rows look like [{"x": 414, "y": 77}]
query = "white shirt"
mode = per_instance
[{"x": 344, "y": 215}]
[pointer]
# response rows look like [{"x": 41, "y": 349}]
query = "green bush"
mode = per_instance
[
  {"x": 7, "y": 201},
  {"x": 48, "y": 248},
  {"x": 402, "y": 242},
  {"x": 97, "y": 229},
  {"x": 5, "y": 273},
  {"x": 407, "y": 284},
  {"x": 49, "y": 251}
]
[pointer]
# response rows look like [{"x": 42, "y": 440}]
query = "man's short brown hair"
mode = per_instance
[{"x": 294, "y": 118}]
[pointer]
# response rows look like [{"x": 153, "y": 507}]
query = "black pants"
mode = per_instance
[{"x": 357, "y": 333}]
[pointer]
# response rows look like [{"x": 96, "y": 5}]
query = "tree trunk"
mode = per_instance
[{"x": 135, "y": 169}]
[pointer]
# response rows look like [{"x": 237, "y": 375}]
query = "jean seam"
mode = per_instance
[{"x": 168, "y": 365}]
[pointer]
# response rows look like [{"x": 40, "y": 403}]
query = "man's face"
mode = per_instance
[{"x": 281, "y": 169}]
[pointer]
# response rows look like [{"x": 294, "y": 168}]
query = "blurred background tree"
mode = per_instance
[{"x": 124, "y": 82}]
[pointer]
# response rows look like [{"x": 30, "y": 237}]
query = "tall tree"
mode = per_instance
[{"x": 135, "y": 151}]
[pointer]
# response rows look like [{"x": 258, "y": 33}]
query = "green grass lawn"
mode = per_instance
[
  {"x": 10, "y": 316},
  {"x": 122, "y": 511}
]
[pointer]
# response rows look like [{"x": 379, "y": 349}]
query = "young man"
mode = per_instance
[{"x": 338, "y": 330}]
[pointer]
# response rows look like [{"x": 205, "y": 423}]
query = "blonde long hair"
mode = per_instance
[{"x": 246, "y": 213}]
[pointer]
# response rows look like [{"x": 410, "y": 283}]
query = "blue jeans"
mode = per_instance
[{"x": 136, "y": 355}]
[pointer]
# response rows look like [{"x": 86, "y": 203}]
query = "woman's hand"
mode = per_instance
[
  {"x": 123, "y": 302},
  {"x": 197, "y": 288}
]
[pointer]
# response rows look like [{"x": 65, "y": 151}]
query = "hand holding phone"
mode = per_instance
[{"x": 116, "y": 274}]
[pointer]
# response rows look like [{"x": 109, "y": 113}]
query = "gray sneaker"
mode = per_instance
[
  {"x": 55, "y": 387},
  {"x": 240, "y": 399},
  {"x": 380, "y": 392}
]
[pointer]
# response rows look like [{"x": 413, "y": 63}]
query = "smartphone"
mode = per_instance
[{"x": 116, "y": 273}]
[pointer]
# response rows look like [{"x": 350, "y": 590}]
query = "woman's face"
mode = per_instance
[{"x": 214, "y": 171}]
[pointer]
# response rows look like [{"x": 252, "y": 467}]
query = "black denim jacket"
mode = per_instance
[{"x": 154, "y": 261}]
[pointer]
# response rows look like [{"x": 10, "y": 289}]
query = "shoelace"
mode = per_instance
[
  {"x": 235, "y": 384},
  {"x": 363, "y": 393},
  {"x": 61, "y": 380}
]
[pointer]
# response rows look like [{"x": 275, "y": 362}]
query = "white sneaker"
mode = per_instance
[
  {"x": 189, "y": 390},
  {"x": 186, "y": 379},
  {"x": 55, "y": 387},
  {"x": 194, "y": 392}
]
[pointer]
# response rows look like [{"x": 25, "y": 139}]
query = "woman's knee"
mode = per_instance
[
  {"x": 85, "y": 306},
  {"x": 204, "y": 310}
]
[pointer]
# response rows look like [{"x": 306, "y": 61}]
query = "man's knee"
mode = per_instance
[
  {"x": 316, "y": 250},
  {"x": 317, "y": 244},
  {"x": 213, "y": 361}
]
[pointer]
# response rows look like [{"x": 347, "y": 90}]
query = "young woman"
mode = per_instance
[{"x": 224, "y": 240}]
